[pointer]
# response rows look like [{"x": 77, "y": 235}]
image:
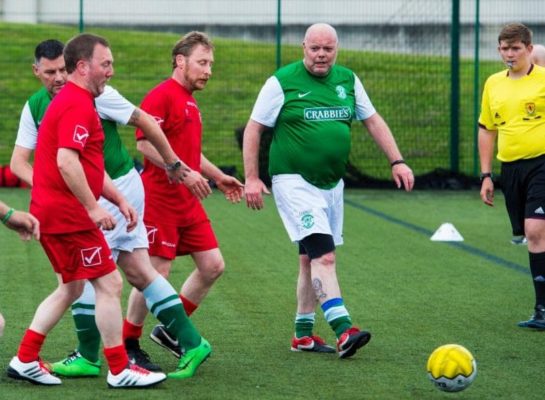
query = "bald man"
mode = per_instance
[
  {"x": 310, "y": 104},
  {"x": 538, "y": 55}
]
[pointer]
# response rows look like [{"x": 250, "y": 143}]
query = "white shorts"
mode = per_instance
[
  {"x": 306, "y": 209},
  {"x": 131, "y": 187}
]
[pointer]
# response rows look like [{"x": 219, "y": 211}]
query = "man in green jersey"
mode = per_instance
[
  {"x": 513, "y": 114},
  {"x": 310, "y": 104}
]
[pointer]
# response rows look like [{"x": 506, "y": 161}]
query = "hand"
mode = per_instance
[
  {"x": 25, "y": 224},
  {"x": 487, "y": 192},
  {"x": 130, "y": 214},
  {"x": 403, "y": 175},
  {"x": 177, "y": 175},
  {"x": 197, "y": 184},
  {"x": 253, "y": 188},
  {"x": 102, "y": 218},
  {"x": 231, "y": 188}
]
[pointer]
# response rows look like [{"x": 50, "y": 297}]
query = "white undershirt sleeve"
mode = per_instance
[
  {"x": 114, "y": 107},
  {"x": 364, "y": 107},
  {"x": 27, "y": 135},
  {"x": 269, "y": 103}
]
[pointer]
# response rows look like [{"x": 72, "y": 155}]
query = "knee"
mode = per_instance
[
  {"x": 110, "y": 285},
  {"x": 534, "y": 236},
  {"x": 140, "y": 279},
  {"x": 214, "y": 270},
  {"x": 69, "y": 292},
  {"x": 327, "y": 260}
]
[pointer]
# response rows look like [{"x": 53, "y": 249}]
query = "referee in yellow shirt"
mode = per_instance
[{"x": 513, "y": 111}]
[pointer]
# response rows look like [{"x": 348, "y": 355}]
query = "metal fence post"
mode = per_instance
[
  {"x": 476, "y": 90},
  {"x": 278, "y": 34},
  {"x": 81, "y": 27},
  {"x": 455, "y": 87}
]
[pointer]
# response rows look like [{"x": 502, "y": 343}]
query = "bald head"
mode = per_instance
[
  {"x": 320, "y": 29},
  {"x": 538, "y": 55},
  {"x": 320, "y": 49}
]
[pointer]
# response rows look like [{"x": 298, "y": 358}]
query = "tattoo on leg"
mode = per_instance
[{"x": 318, "y": 289}]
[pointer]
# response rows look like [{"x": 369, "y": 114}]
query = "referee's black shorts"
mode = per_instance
[{"x": 523, "y": 184}]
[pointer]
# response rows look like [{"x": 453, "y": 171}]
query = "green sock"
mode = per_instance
[
  {"x": 304, "y": 324},
  {"x": 87, "y": 331},
  {"x": 341, "y": 324},
  {"x": 179, "y": 325},
  {"x": 163, "y": 302}
]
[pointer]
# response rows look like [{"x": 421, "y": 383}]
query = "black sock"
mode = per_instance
[{"x": 537, "y": 267}]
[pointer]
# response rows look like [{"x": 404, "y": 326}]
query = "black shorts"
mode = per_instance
[{"x": 523, "y": 184}]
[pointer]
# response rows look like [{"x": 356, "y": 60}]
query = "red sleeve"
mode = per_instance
[
  {"x": 154, "y": 104},
  {"x": 75, "y": 126}
]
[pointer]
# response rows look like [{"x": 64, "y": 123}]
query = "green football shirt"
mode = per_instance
[{"x": 312, "y": 128}]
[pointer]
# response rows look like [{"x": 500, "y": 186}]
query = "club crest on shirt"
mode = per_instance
[
  {"x": 530, "y": 108},
  {"x": 307, "y": 220},
  {"x": 341, "y": 92},
  {"x": 81, "y": 134}
]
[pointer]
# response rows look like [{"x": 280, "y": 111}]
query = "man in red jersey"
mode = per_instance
[
  {"x": 68, "y": 179},
  {"x": 174, "y": 216}
]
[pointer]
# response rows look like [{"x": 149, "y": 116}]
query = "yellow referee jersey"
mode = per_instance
[{"x": 516, "y": 109}]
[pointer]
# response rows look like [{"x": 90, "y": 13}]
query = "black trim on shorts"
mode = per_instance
[{"x": 316, "y": 245}]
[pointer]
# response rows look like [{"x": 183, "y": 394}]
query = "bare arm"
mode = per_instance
[
  {"x": 72, "y": 172},
  {"x": 253, "y": 185},
  {"x": 381, "y": 134},
  {"x": 163, "y": 154},
  {"x": 193, "y": 180},
  {"x": 20, "y": 164},
  {"x": 23, "y": 223},
  {"x": 150, "y": 152},
  {"x": 486, "y": 142}
]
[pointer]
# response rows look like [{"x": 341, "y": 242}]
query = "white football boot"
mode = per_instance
[
  {"x": 134, "y": 377},
  {"x": 34, "y": 372}
]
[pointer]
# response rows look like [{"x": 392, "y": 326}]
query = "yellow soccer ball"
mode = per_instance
[{"x": 451, "y": 368}]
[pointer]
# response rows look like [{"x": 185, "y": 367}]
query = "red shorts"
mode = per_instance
[
  {"x": 78, "y": 255},
  {"x": 169, "y": 241}
]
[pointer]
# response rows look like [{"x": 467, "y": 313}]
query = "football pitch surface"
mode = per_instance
[{"x": 412, "y": 293}]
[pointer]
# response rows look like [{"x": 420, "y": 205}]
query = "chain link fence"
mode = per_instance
[{"x": 401, "y": 49}]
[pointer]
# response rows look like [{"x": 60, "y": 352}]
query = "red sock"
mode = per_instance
[
  {"x": 117, "y": 358},
  {"x": 29, "y": 349},
  {"x": 131, "y": 331},
  {"x": 189, "y": 306}
]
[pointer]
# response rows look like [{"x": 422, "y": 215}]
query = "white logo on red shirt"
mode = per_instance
[
  {"x": 158, "y": 119},
  {"x": 152, "y": 230},
  {"x": 91, "y": 256},
  {"x": 81, "y": 135}
]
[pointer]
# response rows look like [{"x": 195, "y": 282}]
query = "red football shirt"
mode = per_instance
[
  {"x": 178, "y": 115},
  {"x": 72, "y": 122}
]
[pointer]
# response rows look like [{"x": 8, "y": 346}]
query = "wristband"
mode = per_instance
[
  {"x": 6, "y": 217},
  {"x": 485, "y": 175},
  {"x": 396, "y": 162}
]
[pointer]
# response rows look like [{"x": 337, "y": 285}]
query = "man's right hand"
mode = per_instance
[
  {"x": 102, "y": 218},
  {"x": 197, "y": 184},
  {"x": 253, "y": 190},
  {"x": 487, "y": 192}
]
